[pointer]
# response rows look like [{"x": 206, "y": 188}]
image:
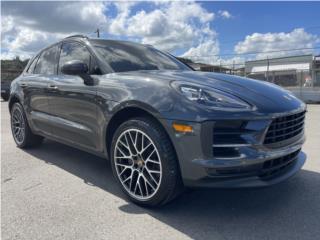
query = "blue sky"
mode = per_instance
[
  {"x": 263, "y": 17},
  {"x": 202, "y": 31}
]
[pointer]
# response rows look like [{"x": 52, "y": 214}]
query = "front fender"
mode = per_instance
[
  {"x": 116, "y": 112},
  {"x": 116, "y": 107},
  {"x": 16, "y": 95}
]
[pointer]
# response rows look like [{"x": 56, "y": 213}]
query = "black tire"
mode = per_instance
[
  {"x": 29, "y": 139},
  {"x": 5, "y": 97},
  {"x": 170, "y": 185}
]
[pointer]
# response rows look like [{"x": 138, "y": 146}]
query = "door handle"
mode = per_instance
[
  {"x": 23, "y": 85},
  {"x": 51, "y": 86}
]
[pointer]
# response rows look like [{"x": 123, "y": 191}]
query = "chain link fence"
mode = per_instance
[
  {"x": 298, "y": 74},
  {"x": 304, "y": 84}
]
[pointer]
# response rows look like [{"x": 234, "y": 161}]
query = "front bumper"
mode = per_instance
[
  {"x": 252, "y": 180},
  {"x": 248, "y": 164}
]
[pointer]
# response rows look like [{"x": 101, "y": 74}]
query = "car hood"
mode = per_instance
[{"x": 265, "y": 96}]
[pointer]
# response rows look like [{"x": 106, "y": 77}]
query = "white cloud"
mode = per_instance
[
  {"x": 184, "y": 11},
  {"x": 266, "y": 42},
  {"x": 205, "y": 52},
  {"x": 224, "y": 14},
  {"x": 26, "y": 27},
  {"x": 151, "y": 24},
  {"x": 6, "y": 24},
  {"x": 208, "y": 53},
  {"x": 61, "y": 17},
  {"x": 170, "y": 26},
  {"x": 118, "y": 25}
]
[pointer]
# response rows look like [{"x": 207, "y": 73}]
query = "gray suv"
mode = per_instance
[{"x": 162, "y": 125}]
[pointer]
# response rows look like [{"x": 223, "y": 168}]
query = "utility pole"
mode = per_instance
[
  {"x": 268, "y": 64},
  {"x": 98, "y": 32},
  {"x": 233, "y": 68}
]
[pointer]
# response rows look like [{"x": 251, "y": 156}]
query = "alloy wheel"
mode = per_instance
[
  {"x": 137, "y": 164},
  {"x": 18, "y": 125}
]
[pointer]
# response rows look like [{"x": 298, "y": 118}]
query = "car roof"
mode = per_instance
[
  {"x": 89, "y": 41},
  {"x": 100, "y": 40},
  {"x": 86, "y": 39},
  {"x": 113, "y": 41}
]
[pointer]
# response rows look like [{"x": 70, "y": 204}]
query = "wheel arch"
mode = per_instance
[
  {"x": 126, "y": 113},
  {"x": 12, "y": 100}
]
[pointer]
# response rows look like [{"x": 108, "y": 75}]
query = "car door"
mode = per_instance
[
  {"x": 34, "y": 84},
  {"x": 73, "y": 103}
]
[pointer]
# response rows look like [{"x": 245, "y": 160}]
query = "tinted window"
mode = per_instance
[
  {"x": 47, "y": 62},
  {"x": 73, "y": 51},
  {"x": 32, "y": 65},
  {"x": 126, "y": 56}
]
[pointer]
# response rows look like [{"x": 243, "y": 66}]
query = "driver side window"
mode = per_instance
[
  {"x": 47, "y": 62},
  {"x": 32, "y": 65}
]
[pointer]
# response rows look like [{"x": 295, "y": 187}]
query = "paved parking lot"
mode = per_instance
[{"x": 57, "y": 192}]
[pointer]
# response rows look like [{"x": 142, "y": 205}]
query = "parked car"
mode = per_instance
[
  {"x": 5, "y": 90},
  {"x": 162, "y": 125}
]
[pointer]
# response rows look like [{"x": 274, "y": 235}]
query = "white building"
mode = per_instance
[{"x": 299, "y": 74}]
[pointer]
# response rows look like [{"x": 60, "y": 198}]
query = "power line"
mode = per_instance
[
  {"x": 271, "y": 61},
  {"x": 253, "y": 53},
  {"x": 242, "y": 62}
]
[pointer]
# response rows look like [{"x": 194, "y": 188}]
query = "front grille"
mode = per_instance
[
  {"x": 225, "y": 152},
  {"x": 265, "y": 171},
  {"x": 227, "y": 135},
  {"x": 286, "y": 127},
  {"x": 228, "y": 132},
  {"x": 275, "y": 166}
]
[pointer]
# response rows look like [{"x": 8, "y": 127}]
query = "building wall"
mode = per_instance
[
  {"x": 10, "y": 69},
  {"x": 287, "y": 63},
  {"x": 299, "y": 74},
  {"x": 316, "y": 71}
]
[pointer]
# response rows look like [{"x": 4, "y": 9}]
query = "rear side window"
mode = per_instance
[
  {"x": 73, "y": 51},
  {"x": 47, "y": 63},
  {"x": 32, "y": 65}
]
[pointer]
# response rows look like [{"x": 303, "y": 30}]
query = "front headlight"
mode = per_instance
[{"x": 212, "y": 98}]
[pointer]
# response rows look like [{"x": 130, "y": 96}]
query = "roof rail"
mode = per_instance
[{"x": 77, "y": 35}]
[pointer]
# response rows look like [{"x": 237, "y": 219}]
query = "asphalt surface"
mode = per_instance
[{"x": 57, "y": 192}]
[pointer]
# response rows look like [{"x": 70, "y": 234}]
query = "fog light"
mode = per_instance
[{"x": 182, "y": 128}]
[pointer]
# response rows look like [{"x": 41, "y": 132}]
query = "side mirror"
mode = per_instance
[{"x": 77, "y": 68}]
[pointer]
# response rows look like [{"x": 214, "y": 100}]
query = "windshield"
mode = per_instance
[{"x": 126, "y": 56}]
